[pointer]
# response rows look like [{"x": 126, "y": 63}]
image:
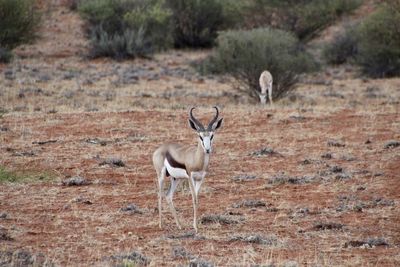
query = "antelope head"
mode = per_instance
[{"x": 206, "y": 135}]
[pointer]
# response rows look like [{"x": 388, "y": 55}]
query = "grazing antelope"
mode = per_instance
[
  {"x": 265, "y": 84},
  {"x": 179, "y": 162}
]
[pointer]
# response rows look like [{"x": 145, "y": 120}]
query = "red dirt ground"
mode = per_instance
[{"x": 49, "y": 218}]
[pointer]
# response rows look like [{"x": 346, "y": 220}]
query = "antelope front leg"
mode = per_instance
[{"x": 194, "y": 200}]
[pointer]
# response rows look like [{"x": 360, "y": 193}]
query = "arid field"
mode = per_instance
[{"x": 312, "y": 181}]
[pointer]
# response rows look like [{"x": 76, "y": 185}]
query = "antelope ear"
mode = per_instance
[
  {"x": 192, "y": 125},
  {"x": 218, "y": 124}
]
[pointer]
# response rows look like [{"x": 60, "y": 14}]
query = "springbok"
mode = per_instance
[
  {"x": 265, "y": 84},
  {"x": 180, "y": 162}
]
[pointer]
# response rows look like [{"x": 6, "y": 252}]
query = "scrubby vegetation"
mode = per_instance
[
  {"x": 15, "y": 177},
  {"x": 373, "y": 43},
  {"x": 245, "y": 54},
  {"x": 195, "y": 22},
  {"x": 344, "y": 46},
  {"x": 379, "y": 43},
  {"x": 5, "y": 55},
  {"x": 18, "y": 24},
  {"x": 127, "y": 28},
  {"x": 304, "y": 18}
]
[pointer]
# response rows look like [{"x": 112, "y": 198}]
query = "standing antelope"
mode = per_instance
[
  {"x": 181, "y": 162},
  {"x": 265, "y": 84}
]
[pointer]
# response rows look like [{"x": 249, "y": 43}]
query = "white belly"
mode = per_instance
[{"x": 175, "y": 172}]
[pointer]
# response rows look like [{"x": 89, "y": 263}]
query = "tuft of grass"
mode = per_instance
[
  {"x": 257, "y": 239},
  {"x": 250, "y": 203},
  {"x": 369, "y": 243},
  {"x": 7, "y": 176},
  {"x": 216, "y": 218},
  {"x": 134, "y": 258},
  {"x": 282, "y": 178}
]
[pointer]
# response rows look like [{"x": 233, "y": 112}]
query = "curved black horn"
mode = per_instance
[
  {"x": 210, "y": 125},
  {"x": 198, "y": 124}
]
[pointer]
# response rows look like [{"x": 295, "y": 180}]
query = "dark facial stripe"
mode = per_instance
[{"x": 174, "y": 163}]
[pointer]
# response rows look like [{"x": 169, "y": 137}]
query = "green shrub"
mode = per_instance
[
  {"x": 5, "y": 55},
  {"x": 18, "y": 22},
  {"x": 343, "y": 47},
  {"x": 72, "y": 4},
  {"x": 379, "y": 43},
  {"x": 303, "y": 17},
  {"x": 317, "y": 14},
  {"x": 195, "y": 22},
  {"x": 127, "y": 28},
  {"x": 245, "y": 54},
  {"x": 233, "y": 13},
  {"x": 128, "y": 44}
]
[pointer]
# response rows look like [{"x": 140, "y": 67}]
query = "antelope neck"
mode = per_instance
[{"x": 201, "y": 158}]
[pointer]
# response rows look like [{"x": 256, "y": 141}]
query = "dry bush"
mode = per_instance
[
  {"x": 195, "y": 22},
  {"x": 378, "y": 44},
  {"x": 304, "y": 18},
  {"x": 245, "y": 54},
  {"x": 127, "y": 29}
]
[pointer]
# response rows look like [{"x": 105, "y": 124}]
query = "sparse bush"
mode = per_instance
[
  {"x": 18, "y": 22},
  {"x": 304, "y": 18},
  {"x": 233, "y": 13},
  {"x": 72, "y": 4},
  {"x": 245, "y": 54},
  {"x": 196, "y": 22},
  {"x": 379, "y": 43},
  {"x": 127, "y": 28},
  {"x": 128, "y": 44},
  {"x": 5, "y": 55},
  {"x": 317, "y": 14},
  {"x": 343, "y": 48}
]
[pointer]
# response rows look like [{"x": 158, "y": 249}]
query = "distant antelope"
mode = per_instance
[
  {"x": 265, "y": 84},
  {"x": 181, "y": 162}
]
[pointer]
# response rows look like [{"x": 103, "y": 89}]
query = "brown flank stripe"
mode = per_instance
[{"x": 174, "y": 163}]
